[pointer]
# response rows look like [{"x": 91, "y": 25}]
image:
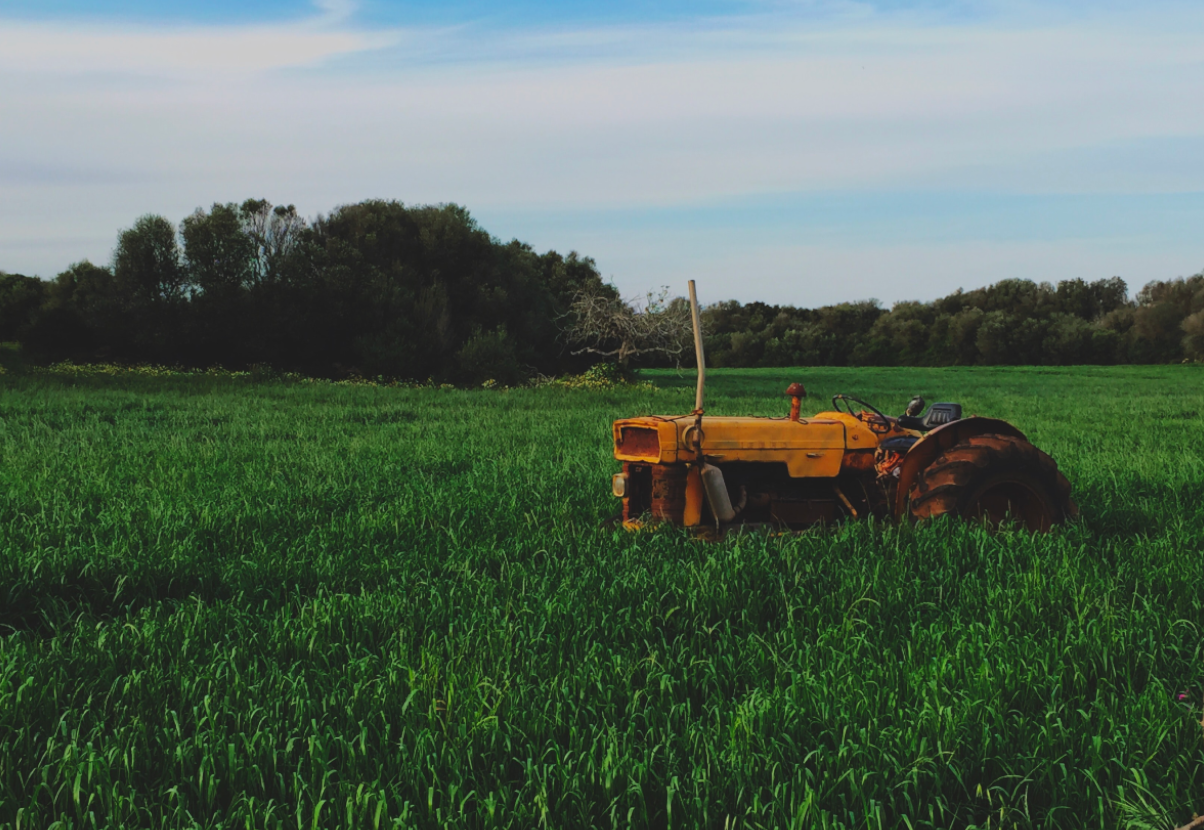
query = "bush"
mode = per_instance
[{"x": 598, "y": 377}]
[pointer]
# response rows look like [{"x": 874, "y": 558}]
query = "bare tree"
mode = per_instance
[
  {"x": 275, "y": 232},
  {"x": 607, "y": 325}
]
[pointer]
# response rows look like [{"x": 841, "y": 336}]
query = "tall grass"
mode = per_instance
[{"x": 226, "y": 603}]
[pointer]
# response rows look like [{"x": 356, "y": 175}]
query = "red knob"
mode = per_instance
[{"x": 796, "y": 393}]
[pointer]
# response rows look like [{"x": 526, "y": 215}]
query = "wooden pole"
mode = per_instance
[{"x": 702, "y": 364}]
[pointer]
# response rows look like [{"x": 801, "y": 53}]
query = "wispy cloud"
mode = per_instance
[
  {"x": 335, "y": 11},
  {"x": 59, "y": 48}
]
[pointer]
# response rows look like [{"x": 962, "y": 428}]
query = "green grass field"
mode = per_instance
[{"x": 227, "y": 603}]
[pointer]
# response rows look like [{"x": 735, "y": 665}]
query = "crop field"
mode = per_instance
[{"x": 254, "y": 604}]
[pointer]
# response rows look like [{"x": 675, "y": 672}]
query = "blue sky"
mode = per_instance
[
  {"x": 802, "y": 151},
  {"x": 391, "y": 12}
]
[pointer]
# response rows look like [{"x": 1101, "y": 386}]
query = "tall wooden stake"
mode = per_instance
[{"x": 702, "y": 364}]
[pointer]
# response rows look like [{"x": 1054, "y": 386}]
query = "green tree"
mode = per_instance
[
  {"x": 993, "y": 340},
  {"x": 146, "y": 264},
  {"x": 963, "y": 335},
  {"x": 490, "y": 355},
  {"x": 79, "y": 314},
  {"x": 220, "y": 257},
  {"x": 1068, "y": 341},
  {"x": 20, "y": 299},
  {"x": 222, "y": 263},
  {"x": 400, "y": 290},
  {"x": 1110, "y": 294},
  {"x": 1193, "y": 336},
  {"x": 1193, "y": 324},
  {"x": 1162, "y": 308},
  {"x": 149, "y": 293},
  {"x": 86, "y": 288}
]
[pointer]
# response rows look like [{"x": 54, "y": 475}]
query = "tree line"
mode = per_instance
[
  {"x": 376, "y": 288},
  {"x": 417, "y": 292},
  {"x": 1014, "y": 321}
]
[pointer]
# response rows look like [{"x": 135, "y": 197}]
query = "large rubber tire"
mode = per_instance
[{"x": 994, "y": 478}]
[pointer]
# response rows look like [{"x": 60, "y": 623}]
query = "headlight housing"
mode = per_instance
[{"x": 618, "y": 485}]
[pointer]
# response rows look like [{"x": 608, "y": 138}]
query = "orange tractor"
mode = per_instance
[{"x": 852, "y": 461}]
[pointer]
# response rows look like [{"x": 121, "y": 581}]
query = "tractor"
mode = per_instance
[{"x": 851, "y": 462}]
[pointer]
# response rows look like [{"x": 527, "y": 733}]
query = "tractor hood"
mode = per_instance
[{"x": 808, "y": 447}]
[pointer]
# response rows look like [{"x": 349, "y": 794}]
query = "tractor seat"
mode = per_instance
[{"x": 937, "y": 415}]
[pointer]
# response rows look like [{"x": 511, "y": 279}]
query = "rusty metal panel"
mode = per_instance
[
  {"x": 669, "y": 493},
  {"x": 639, "y": 441},
  {"x": 694, "y": 496},
  {"x": 860, "y": 460}
]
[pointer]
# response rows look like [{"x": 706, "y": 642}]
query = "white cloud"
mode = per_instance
[
  {"x": 335, "y": 11},
  {"x": 32, "y": 48}
]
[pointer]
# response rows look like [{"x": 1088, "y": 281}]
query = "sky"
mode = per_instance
[{"x": 791, "y": 151}]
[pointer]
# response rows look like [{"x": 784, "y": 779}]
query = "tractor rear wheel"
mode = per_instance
[{"x": 993, "y": 478}]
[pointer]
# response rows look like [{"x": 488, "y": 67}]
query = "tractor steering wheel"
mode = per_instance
[{"x": 877, "y": 422}]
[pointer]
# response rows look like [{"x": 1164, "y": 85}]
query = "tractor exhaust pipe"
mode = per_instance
[
  {"x": 702, "y": 364},
  {"x": 712, "y": 477}
]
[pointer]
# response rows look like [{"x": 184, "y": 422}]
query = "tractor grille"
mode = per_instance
[{"x": 640, "y": 442}]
